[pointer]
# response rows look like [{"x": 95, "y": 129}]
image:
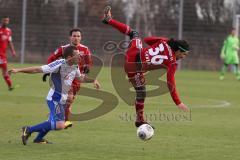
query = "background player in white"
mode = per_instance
[{"x": 63, "y": 72}]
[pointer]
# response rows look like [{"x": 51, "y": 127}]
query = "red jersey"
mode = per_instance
[
  {"x": 160, "y": 55},
  {"x": 5, "y": 38},
  {"x": 85, "y": 56}
]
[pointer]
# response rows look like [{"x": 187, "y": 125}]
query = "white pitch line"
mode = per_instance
[
  {"x": 210, "y": 103},
  {"x": 218, "y": 104}
]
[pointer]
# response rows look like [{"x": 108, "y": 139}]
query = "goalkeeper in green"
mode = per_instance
[{"x": 229, "y": 54}]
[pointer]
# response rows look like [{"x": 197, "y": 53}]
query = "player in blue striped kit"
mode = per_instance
[{"x": 63, "y": 72}]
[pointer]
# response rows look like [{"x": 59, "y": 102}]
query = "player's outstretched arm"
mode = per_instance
[
  {"x": 29, "y": 70},
  {"x": 172, "y": 88}
]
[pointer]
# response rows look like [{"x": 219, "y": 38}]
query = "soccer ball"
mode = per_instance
[{"x": 145, "y": 132}]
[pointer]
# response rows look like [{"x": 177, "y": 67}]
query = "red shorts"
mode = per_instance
[
  {"x": 133, "y": 64},
  {"x": 3, "y": 66}
]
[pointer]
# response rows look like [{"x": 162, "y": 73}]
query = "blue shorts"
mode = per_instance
[{"x": 57, "y": 112}]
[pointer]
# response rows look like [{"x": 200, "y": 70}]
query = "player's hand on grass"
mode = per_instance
[
  {"x": 183, "y": 107},
  {"x": 96, "y": 84},
  {"x": 13, "y": 71}
]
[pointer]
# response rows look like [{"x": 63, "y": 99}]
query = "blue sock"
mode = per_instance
[
  {"x": 42, "y": 127},
  {"x": 41, "y": 135}
]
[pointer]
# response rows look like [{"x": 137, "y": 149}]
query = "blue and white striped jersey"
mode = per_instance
[{"x": 61, "y": 79}]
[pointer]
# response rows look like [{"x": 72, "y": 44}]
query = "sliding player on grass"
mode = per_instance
[
  {"x": 161, "y": 53},
  {"x": 63, "y": 72}
]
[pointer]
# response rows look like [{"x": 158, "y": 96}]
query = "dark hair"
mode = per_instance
[
  {"x": 68, "y": 51},
  {"x": 5, "y": 16},
  {"x": 176, "y": 45},
  {"x": 74, "y": 30}
]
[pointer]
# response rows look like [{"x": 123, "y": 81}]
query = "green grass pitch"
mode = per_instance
[{"x": 210, "y": 132}]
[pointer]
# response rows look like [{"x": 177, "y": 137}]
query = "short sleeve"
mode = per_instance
[
  {"x": 52, "y": 67},
  {"x": 10, "y": 35},
  {"x": 10, "y": 39}
]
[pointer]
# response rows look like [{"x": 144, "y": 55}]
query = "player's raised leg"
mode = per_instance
[
  {"x": 123, "y": 28},
  {"x": 132, "y": 68}
]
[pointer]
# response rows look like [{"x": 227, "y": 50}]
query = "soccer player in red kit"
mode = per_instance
[
  {"x": 5, "y": 40},
  {"x": 161, "y": 53},
  {"x": 85, "y": 62}
]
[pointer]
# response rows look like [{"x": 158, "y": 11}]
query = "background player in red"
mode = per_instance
[
  {"x": 5, "y": 40},
  {"x": 84, "y": 65},
  {"x": 161, "y": 53}
]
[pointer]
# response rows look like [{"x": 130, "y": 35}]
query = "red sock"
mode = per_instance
[
  {"x": 123, "y": 28},
  {"x": 139, "y": 105},
  {"x": 67, "y": 111},
  {"x": 8, "y": 81}
]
